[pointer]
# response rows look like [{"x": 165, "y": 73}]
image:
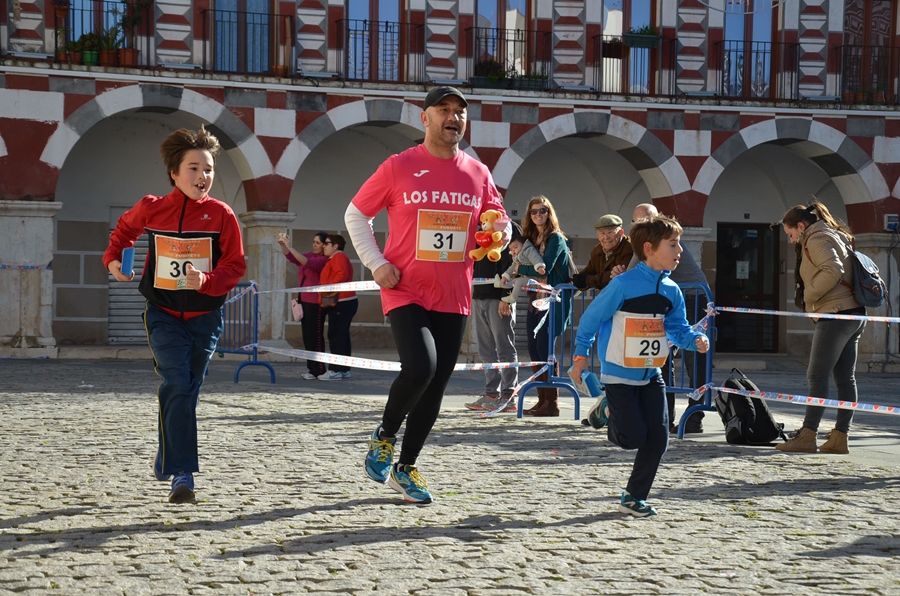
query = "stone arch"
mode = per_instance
[
  {"x": 242, "y": 146},
  {"x": 345, "y": 116},
  {"x": 853, "y": 171},
  {"x": 653, "y": 160}
]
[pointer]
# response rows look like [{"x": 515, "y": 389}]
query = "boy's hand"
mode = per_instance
[
  {"x": 702, "y": 344},
  {"x": 542, "y": 270},
  {"x": 578, "y": 367},
  {"x": 115, "y": 268},
  {"x": 193, "y": 277}
]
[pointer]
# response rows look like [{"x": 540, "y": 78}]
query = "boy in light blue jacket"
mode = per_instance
[{"x": 635, "y": 315}]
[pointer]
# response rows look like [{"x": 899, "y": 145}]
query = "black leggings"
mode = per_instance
[{"x": 428, "y": 343}]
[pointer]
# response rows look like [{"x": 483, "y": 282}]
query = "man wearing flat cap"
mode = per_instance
[
  {"x": 614, "y": 249},
  {"x": 434, "y": 195}
]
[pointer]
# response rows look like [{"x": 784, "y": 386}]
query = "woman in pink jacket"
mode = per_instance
[{"x": 310, "y": 265}]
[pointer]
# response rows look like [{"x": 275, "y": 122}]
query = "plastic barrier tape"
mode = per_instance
[{"x": 804, "y": 400}]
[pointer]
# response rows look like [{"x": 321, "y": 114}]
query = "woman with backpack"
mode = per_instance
[{"x": 824, "y": 276}]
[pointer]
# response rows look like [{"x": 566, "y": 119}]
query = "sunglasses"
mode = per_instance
[
  {"x": 540, "y": 211},
  {"x": 328, "y": 243}
]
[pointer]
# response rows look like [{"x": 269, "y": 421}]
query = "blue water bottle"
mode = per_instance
[
  {"x": 127, "y": 261},
  {"x": 591, "y": 383}
]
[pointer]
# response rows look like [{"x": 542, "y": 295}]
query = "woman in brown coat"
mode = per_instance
[{"x": 825, "y": 286}]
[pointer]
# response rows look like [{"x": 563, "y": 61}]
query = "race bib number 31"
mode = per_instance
[
  {"x": 645, "y": 342},
  {"x": 173, "y": 256},
  {"x": 442, "y": 236}
]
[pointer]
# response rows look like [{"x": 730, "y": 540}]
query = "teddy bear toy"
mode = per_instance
[{"x": 490, "y": 238}]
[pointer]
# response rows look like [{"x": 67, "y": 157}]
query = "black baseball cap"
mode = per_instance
[{"x": 435, "y": 96}]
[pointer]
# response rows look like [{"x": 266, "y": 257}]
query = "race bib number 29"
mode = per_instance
[
  {"x": 645, "y": 342},
  {"x": 173, "y": 256},
  {"x": 442, "y": 236}
]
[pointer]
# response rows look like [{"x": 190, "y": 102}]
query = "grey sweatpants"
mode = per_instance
[{"x": 496, "y": 339}]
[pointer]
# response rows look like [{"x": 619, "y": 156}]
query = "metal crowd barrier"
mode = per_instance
[
  {"x": 240, "y": 314},
  {"x": 692, "y": 371}
]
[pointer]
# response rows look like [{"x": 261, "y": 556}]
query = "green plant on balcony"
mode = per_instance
[
  {"x": 90, "y": 48},
  {"x": 133, "y": 18},
  {"x": 491, "y": 74},
  {"x": 533, "y": 81},
  {"x": 644, "y": 36}
]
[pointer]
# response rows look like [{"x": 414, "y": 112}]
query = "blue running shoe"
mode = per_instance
[
  {"x": 635, "y": 507},
  {"x": 599, "y": 414},
  {"x": 182, "y": 488},
  {"x": 380, "y": 457},
  {"x": 406, "y": 480},
  {"x": 157, "y": 469}
]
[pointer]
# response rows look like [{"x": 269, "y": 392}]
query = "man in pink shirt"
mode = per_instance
[{"x": 434, "y": 195}]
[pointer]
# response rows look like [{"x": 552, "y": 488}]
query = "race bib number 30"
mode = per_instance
[
  {"x": 442, "y": 236},
  {"x": 173, "y": 256},
  {"x": 645, "y": 342}
]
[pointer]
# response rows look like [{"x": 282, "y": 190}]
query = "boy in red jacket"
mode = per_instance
[{"x": 195, "y": 258}]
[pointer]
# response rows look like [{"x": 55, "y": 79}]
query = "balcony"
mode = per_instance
[
  {"x": 636, "y": 65},
  {"x": 869, "y": 74},
  {"x": 757, "y": 70},
  {"x": 381, "y": 51},
  {"x": 104, "y": 34},
  {"x": 248, "y": 42},
  {"x": 508, "y": 58}
]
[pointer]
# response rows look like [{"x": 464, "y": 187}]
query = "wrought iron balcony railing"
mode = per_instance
[
  {"x": 248, "y": 42},
  {"x": 634, "y": 64},
  {"x": 104, "y": 33},
  {"x": 509, "y": 58},
  {"x": 757, "y": 69},
  {"x": 381, "y": 51},
  {"x": 869, "y": 74}
]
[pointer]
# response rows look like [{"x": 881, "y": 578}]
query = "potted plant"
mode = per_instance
[
  {"x": 862, "y": 95},
  {"x": 132, "y": 18},
  {"x": 642, "y": 37},
  {"x": 612, "y": 47},
  {"x": 110, "y": 42},
  {"x": 878, "y": 94},
  {"x": 73, "y": 52},
  {"x": 489, "y": 73},
  {"x": 90, "y": 48},
  {"x": 61, "y": 8},
  {"x": 530, "y": 82}
]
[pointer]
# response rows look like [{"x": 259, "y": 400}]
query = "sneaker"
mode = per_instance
[
  {"x": 157, "y": 469},
  {"x": 346, "y": 375},
  {"x": 598, "y": 417},
  {"x": 510, "y": 406},
  {"x": 182, "y": 488},
  {"x": 332, "y": 375},
  {"x": 380, "y": 457},
  {"x": 406, "y": 480},
  {"x": 308, "y": 376},
  {"x": 484, "y": 403},
  {"x": 635, "y": 507}
]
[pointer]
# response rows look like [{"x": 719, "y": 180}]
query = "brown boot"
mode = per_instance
[
  {"x": 550, "y": 406},
  {"x": 836, "y": 443},
  {"x": 804, "y": 442},
  {"x": 543, "y": 377}
]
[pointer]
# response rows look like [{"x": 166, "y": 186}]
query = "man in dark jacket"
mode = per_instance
[
  {"x": 494, "y": 323},
  {"x": 614, "y": 249}
]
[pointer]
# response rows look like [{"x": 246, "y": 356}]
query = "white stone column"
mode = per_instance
[
  {"x": 26, "y": 293},
  {"x": 873, "y": 352},
  {"x": 266, "y": 266},
  {"x": 692, "y": 239}
]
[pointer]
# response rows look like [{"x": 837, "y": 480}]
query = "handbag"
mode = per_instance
[
  {"x": 296, "y": 310},
  {"x": 329, "y": 301}
]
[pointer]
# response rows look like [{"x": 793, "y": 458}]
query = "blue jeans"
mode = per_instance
[
  {"x": 181, "y": 353},
  {"x": 639, "y": 419},
  {"x": 834, "y": 348}
]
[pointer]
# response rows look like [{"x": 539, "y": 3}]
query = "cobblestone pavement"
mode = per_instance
[{"x": 522, "y": 506}]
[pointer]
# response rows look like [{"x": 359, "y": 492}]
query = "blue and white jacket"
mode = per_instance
[{"x": 639, "y": 293}]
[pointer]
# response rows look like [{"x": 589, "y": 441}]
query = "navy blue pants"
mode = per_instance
[
  {"x": 181, "y": 353},
  {"x": 639, "y": 419}
]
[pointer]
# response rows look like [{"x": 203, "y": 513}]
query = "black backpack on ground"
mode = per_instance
[{"x": 747, "y": 420}]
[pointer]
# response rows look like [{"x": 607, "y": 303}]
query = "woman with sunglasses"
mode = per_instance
[
  {"x": 339, "y": 307},
  {"x": 541, "y": 227},
  {"x": 309, "y": 267}
]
